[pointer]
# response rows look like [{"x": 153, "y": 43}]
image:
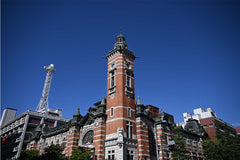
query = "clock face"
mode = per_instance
[{"x": 88, "y": 138}]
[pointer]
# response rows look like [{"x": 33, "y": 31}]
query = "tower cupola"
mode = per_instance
[{"x": 120, "y": 42}]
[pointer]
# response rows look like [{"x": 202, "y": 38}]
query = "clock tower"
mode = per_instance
[{"x": 121, "y": 140}]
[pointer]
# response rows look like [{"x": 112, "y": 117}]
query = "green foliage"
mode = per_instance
[
  {"x": 53, "y": 152},
  {"x": 212, "y": 149},
  {"x": 80, "y": 155},
  {"x": 180, "y": 153},
  {"x": 29, "y": 155},
  {"x": 225, "y": 147}
]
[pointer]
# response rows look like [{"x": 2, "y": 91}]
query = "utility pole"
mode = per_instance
[{"x": 43, "y": 104}]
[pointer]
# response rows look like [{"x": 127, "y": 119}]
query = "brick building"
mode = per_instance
[
  {"x": 208, "y": 119},
  {"x": 117, "y": 127}
]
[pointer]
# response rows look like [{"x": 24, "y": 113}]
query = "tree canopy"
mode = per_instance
[
  {"x": 180, "y": 151},
  {"x": 53, "y": 152},
  {"x": 225, "y": 147},
  {"x": 79, "y": 154},
  {"x": 29, "y": 155}
]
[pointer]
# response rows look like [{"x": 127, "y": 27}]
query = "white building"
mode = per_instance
[
  {"x": 17, "y": 129},
  {"x": 199, "y": 113}
]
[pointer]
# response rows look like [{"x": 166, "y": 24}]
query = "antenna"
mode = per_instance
[{"x": 43, "y": 104}]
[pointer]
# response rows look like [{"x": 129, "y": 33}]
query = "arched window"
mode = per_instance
[{"x": 88, "y": 138}]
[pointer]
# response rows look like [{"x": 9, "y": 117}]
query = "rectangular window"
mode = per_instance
[
  {"x": 112, "y": 81},
  {"x": 128, "y": 82},
  {"x": 112, "y": 75},
  {"x": 166, "y": 139},
  {"x": 111, "y": 112},
  {"x": 130, "y": 136},
  {"x": 111, "y": 155},
  {"x": 129, "y": 129},
  {"x": 129, "y": 112},
  {"x": 128, "y": 79}
]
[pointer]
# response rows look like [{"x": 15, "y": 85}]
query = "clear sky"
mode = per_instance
[{"x": 189, "y": 53}]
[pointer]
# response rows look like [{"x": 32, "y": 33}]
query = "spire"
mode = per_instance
[
  {"x": 103, "y": 102},
  {"x": 78, "y": 111},
  {"x": 138, "y": 101}
]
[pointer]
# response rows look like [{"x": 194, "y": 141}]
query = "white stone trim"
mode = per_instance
[
  {"x": 145, "y": 140},
  {"x": 98, "y": 135},
  {"x": 142, "y": 135},
  {"x": 143, "y": 154},
  {"x": 100, "y": 126},
  {"x": 99, "y": 131},
  {"x": 98, "y": 140},
  {"x": 120, "y": 107},
  {"x": 142, "y": 131},
  {"x": 120, "y": 118}
]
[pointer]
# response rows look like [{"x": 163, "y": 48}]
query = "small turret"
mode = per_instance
[{"x": 120, "y": 42}]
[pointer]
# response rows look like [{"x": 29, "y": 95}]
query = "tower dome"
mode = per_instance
[{"x": 120, "y": 42}]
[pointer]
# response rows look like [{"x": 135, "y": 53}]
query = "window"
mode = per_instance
[
  {"x": 129, "y": 129},
  {"x": 128, "y": 82},
  {"x": 113, "y": 66},
  {"x": 166, "y": 139},
  {"x": 128, "y": 79},
  {"x": 88, "y": 138},
  {"x": 210, "y": 125},
  {"x": 112, "y": 79},
  {"x": 64, "y": 143},
  {"x": 111, "y": 112},
  {"x": 130, "y": 155},
  {"x": 111, "y": 155},
  {"x": 129, "y": 112}
]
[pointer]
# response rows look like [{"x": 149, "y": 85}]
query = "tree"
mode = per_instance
[
  {"x": 53, "y": 152},
  {"x": 179, "y": 151},
  {"x": 79, "y": 154},
  {"x": 29, "y": 155},
  {"x": 225, "y": 147},
  {"x": 212, "y": 149}
]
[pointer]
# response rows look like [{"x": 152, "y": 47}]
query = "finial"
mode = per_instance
[
  {"x": 103, "y": 102},
  {"x": 78, "y": 111},
  {"x": 120, "y": 30},
  {"x": 138, "y": 101}
]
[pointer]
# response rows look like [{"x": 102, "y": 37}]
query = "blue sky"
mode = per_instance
[{"x": 189, "y": 53}]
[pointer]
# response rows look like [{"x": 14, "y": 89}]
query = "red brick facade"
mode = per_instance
[{"x": 117, "y": 128}]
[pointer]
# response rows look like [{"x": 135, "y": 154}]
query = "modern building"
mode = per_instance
[
  {"x": 208, "y": 119},
  {"x": 117, "y": 127},
  {"x": 20, "y": 128},
  {"x": 8, "y": 115}
]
